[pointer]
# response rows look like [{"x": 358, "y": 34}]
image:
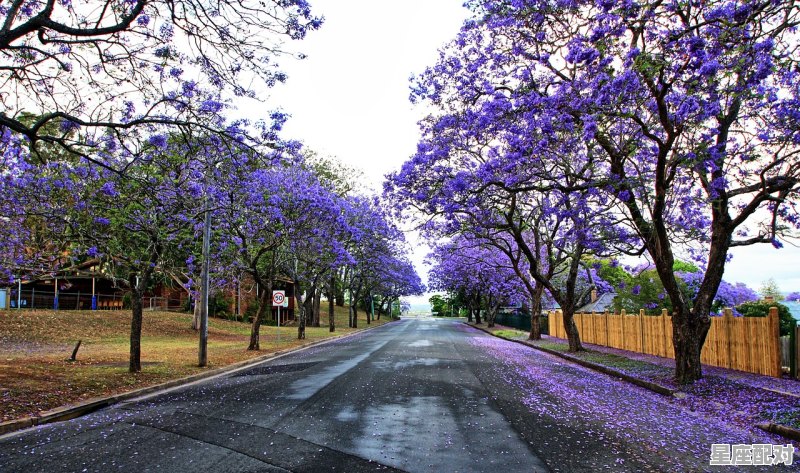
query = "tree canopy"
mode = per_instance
[{"x": 680, "y": 119}]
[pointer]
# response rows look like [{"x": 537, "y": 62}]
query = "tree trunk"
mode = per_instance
[
  {"x": 688, "y": 336},
  {"x": 305, "y": 303},
  {"x": 469, "y": 314},
  {"x": 338, "y": 288},
  {"x": 317, "y": 303},
  {"x": 491, "y": 314},
  {"x": 354, "y": 306},
  {"x": 331, "y": 303},
  {"x": 196, "y": 317},
  {"x": 369, "y": 307},
  {"x": 536, "y": 313},
  {"x": 381, "y": 309},
  {"x": 135, "y": 362},
  {"x": 255, "y": 327},
  {"x": 573, "y": 337}
]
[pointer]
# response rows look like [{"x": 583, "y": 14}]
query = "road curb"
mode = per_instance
[
  {"x": 87, "y": 407},
  {"x": 782, "y": 430},
  {"x": 656, "y": 388}
]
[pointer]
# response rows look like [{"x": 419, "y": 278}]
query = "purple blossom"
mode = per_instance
[
  {"x": 159, "y": 141},
  {"x": 109, "y": 189}
]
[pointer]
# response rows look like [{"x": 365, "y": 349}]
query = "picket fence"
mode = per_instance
[{"x": 750, "y": 344}]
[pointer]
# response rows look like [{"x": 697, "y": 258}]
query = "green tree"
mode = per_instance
[
  {"x": 439, "y": 305},
  {"x": 769, "y": 288},
  {"x": 761, "y": 309}
]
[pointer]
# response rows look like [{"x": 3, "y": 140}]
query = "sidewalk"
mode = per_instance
[{"x": 743, "y": 399}]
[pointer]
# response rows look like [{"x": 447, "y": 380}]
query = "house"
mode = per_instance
[
  {"x": 66, "y": 292},
  {"x": 598, "y": 303}
]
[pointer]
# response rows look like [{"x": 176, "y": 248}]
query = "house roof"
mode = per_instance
[{"x": 602, "y": 303}]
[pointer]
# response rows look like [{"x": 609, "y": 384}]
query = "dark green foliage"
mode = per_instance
[
  {"x": 251, "y": 311},
  {"x": 643, "y": 291},
  {"x": 761, "y": 309},
  {"x": 219, "y": 306},
  {"x": 612, "y": 273},
  {"x": 439, "y": 305}
]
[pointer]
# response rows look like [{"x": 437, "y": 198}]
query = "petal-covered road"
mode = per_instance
[{"x": 418, "y": 395}]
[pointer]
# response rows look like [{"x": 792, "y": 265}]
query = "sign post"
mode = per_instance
[{"x": 279, "y": 300}]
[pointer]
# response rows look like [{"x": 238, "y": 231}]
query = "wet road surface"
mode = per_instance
[{"x": 419, "y": 395}]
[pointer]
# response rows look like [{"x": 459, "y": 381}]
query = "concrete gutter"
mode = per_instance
[{"x": 77, "y": 410}]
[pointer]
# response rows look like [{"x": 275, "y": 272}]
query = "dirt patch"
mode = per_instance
[{"x": 120, "y": 364}]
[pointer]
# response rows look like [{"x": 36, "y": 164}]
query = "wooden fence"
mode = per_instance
[{"x": 749, "y": 344}]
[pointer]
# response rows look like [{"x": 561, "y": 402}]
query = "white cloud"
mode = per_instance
[
  {"x": 755, "y": 264},
  {"x": 349, "y": 98}
]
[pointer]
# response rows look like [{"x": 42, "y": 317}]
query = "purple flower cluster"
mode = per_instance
[{"x": 598, "y": 128}]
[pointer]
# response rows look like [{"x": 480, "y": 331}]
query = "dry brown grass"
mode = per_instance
[{"x": 35, "y": 346}]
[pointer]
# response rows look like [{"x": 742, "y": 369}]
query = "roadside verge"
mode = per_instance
[
  {"x": 656, "y": 388},
  {"x": 91, "y": 405},
  {"x": 768, "y": 404}
]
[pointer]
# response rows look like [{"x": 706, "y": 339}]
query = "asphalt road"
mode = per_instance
[{"x": 419, "y": 395}]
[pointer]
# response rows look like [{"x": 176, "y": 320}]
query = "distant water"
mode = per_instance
[
  {"x": 794, "y": 308},
  {"x": 419, "y": 309}
]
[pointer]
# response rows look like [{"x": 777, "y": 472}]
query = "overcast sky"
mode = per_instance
[{"x": 349, "y": 99}]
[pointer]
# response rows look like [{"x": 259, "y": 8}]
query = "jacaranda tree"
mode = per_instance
[
  {"x": 128, "y": 227},
  {"x": 100, "y": 71},
  {"x": 478, "y": 270},
  {"x": 687, "y": 110}
]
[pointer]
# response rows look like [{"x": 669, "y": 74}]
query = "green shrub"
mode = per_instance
[
  {"x": 761, "y": 309},
  {"x": 219, "y": 306},
  {"x": 251, "y": 312}
]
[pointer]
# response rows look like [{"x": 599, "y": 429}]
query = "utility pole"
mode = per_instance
[{"x": 203, "y": 351}]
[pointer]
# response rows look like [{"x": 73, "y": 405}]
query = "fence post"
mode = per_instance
[
  {"x": 727, "y": 317},
  {"x": 622, "y": 320},
  {"x": 775, "y": 332},
  {"x": 796, "y": 333},
  {"x": 641, "y": 331},
  {"x": 664, "y": 331},
  {"x": 793, "y": 351}
]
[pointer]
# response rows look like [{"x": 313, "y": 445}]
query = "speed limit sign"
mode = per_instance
[{"x": 279, "y": 299}]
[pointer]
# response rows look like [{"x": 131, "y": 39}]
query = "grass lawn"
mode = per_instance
[
  {"x": 35, "y": 346},
  {"x": 510, "y": 333}
]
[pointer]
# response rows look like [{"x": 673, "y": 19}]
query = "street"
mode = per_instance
[{"x": 417, "y": 395}]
